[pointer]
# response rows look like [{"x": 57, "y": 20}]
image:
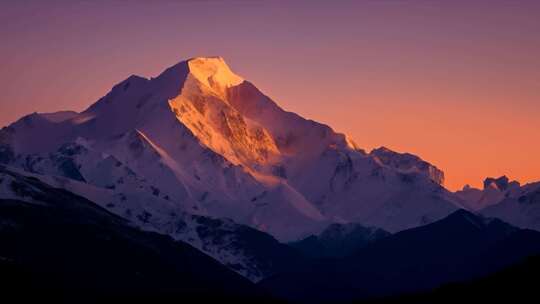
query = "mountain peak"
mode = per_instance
[
  {"x": 208, "y": 59},
  {"x": 213, "y": 72}
]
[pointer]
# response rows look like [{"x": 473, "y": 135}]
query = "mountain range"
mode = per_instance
[{"x": 199, "y": 158}]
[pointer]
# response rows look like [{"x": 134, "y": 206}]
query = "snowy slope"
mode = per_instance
[
  {"x": 208, "y": 143},
  {"x": 234, "y": 245}
]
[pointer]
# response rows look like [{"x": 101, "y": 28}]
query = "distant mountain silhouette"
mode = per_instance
[{"x": 515, "y": 284}]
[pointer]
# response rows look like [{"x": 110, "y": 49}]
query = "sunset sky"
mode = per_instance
[{"x": 453, "y": 82}]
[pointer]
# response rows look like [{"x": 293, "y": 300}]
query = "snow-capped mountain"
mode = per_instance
[
  {"x": 178, "y": 134},
  {"x": 200, "y": 141}
]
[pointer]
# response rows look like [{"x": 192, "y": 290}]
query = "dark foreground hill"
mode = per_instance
[
  {"x": 62, "y": 247},
  {"x": 515, "y": 284}
]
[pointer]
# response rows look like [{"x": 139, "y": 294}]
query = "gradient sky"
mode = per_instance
[{"x": 455, "y": 82}]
